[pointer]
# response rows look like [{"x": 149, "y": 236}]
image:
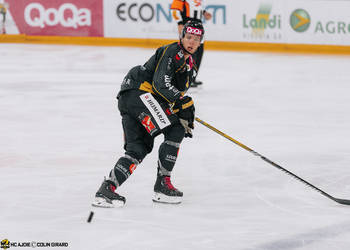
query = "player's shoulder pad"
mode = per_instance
[{"x": 177, "y": 55}]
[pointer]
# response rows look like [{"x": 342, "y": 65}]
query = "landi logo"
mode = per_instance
[
  {"x": 264, "y": 25},
  {"x": 300, "y": 20},
  {"x": 67, "y": 15}
]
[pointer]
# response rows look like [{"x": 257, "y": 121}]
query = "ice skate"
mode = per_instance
[
  {"x": 106, "y": 197},
  {"x": 165, "y": 192}
]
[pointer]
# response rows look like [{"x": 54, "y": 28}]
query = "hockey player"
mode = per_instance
[
  {"x": 3, "y": 10},
  {"x": 152, "y": 101},
  {"x": 185, "y": 10}
]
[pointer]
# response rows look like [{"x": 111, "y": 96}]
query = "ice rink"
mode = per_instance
[{"x": 61, "y": 133}]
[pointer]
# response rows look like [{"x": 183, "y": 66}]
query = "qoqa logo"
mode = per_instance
[
  {"x": 68, "y": 15},
  {"x": 194, "y": 31}
]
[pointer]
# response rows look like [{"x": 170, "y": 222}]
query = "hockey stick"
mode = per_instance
[{"x": 340, "y": 201}]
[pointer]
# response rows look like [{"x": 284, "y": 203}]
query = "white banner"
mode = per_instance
[
  {"x": 325, "y": 22},
  {"x": 318, "y": 22},
  {"x": 153, "y": 19},
  {"x": 259, "y": 21}
]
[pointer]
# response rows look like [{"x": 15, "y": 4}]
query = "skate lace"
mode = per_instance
[{"x": 168, "y": 183}]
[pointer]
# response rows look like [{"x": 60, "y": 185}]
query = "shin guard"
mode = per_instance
[
  {"x": 168, "y": 152},
  {"x": 124, "y": 167}
]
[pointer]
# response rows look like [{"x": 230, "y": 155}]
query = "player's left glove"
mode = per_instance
[{"x": 185, "y": 110}]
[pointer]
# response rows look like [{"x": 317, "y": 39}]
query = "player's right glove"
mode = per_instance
[{"x": 184, "y": 108}]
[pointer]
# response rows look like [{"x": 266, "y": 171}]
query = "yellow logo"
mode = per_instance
[{"x": 5, "y": 244}]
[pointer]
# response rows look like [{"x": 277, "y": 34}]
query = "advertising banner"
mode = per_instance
[
  {"x": 60, "y": 17},
  {"x": 321, "y": 22},
  {"x": 318, "y": 22},
  {"x": 258, "y": 21},
  {"x": 153, "y": 19},
  {"x": 261, "y": 21}
]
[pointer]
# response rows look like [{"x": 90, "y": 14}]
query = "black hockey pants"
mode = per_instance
[{"x": 142, "y": 121}]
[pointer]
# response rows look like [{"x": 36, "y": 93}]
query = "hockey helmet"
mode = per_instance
[{"x": 193, "y": 27}]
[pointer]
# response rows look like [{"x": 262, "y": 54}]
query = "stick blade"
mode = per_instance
[{"x": 342, "y": 201}]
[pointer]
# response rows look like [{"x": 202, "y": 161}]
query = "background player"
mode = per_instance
[
  {"x": 185, "y": 10},
  {"x": 153, "y": 101},
  {"x": 3, "y": 11}
]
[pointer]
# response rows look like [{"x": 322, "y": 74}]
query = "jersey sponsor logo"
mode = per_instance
[
  {"x": 167, "y": 79},
  {"x": 171, "y": 158},
  {"x": 194, "y": 31},
  {"x": 132, "y": 168},
  {"x": 157, "y": 112},
  {"x": 126, "y": 81},
  {"x": 148, "y": 124},
  {"x": 172, "y": 88},
  {"x": 124, "y": 170},
  {"x": 170, "y": 60},
  {"x": 169, "y": 111},
  {"x": 67, "y": 15},
  {"x": 179, "y": 55}
]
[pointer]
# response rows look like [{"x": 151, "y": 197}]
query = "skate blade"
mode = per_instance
[
  {"x": 101, "y": 202},
  {"x": 162, "y": 198}
]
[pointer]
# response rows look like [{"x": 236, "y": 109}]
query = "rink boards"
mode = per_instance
[{"x": 271, "y": 25}]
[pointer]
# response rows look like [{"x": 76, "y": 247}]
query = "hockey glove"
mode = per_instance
[{"x": 184, "y": 108}]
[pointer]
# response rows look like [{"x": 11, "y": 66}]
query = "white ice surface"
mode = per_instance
[{"x": 60, "y": 133}]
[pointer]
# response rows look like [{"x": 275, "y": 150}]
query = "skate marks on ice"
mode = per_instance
[
  {"x": 323, "y": 236},
  {"x": 303, "y": 196},
  {"x": 305, "y": 201}
]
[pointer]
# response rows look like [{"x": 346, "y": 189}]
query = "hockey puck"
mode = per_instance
[{"x": 90, "y": 217}]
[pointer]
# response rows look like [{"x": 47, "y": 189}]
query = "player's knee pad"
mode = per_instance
[
  {"x": 168, "y": 152},
  {"x": 124, "y": 167},
  {"x": 175, "y": 133},
  {"x": 137, "y": 151}
]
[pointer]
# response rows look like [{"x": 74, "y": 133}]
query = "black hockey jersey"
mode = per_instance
[{"x": 166, "y": 74}]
